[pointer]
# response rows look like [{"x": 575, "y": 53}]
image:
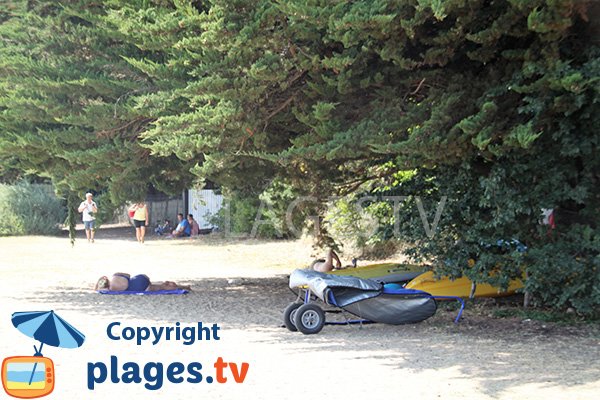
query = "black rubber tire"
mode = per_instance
[
  {"x": 288, "y": 316},
  {"x": 309, "y": 319}
]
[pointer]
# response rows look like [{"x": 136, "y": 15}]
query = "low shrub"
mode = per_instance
[{"x": 30, "y": 209}]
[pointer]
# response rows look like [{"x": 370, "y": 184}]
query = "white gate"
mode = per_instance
[{"x": 203, "y": 204}]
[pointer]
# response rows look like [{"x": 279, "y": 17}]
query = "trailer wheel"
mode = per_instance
[
  {"x": 288, "y": 316},
  {"x": 309, "y": 319}
]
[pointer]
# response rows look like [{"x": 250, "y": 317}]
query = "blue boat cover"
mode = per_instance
[
  {"x": 348, "y": 289},
  {"x": 367, "y": 298}
]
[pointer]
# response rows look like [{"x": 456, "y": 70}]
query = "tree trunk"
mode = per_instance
[
  {"x": 527, "y": 297},
  {"x": 72, "y": 201}
]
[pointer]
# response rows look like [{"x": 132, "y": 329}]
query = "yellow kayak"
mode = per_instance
[
  {"x": 387, "y": 272},
  {"x": 460, "y": 287}
]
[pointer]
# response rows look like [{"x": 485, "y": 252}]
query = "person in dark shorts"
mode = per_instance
[
  {"x": 140, "y": 219},
  {"x": 123, "y": 282}
]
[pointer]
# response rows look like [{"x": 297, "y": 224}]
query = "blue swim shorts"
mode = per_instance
[{"x": 138, "y": 283}]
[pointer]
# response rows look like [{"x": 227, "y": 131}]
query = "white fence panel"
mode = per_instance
[{"x": 203, "y": 204}]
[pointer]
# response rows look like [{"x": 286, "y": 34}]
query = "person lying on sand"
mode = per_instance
[
  {"x": 326, "y": 264},
  {"x": 121, "y": 281}
]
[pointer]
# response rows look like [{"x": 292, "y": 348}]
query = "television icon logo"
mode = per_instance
[{"x": 28, "y": 377}]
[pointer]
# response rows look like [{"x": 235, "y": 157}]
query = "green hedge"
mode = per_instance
[{"x": 29, "y": 209}]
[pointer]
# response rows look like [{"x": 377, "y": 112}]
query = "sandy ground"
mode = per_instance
[{"x": 242, "y": 287}]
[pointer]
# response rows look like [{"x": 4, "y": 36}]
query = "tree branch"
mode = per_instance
[
  {"x": 139, "y": 121},
  {"x": 414, "y": 91}
]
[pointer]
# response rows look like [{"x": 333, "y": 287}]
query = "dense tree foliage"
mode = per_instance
[
  {"x": 66, "y": 105},
  {"x": 490, "y": 104}
]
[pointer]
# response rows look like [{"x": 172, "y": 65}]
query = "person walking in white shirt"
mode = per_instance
[{"x": 88, "y": 208}]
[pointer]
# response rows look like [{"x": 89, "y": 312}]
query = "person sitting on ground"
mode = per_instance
[
  {"x": 183, "y": 227},
  {"x": 123, "y": 282},
  {"x": 326, "y": 264},
  {"x": 161, "y": 229},
  {"x": 194, "y": 227}
]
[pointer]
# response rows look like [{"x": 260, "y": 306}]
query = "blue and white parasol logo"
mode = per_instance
[{"x": 48, "y": 328}]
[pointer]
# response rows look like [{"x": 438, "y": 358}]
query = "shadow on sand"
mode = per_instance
[{"x": 498, "y": 353}]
